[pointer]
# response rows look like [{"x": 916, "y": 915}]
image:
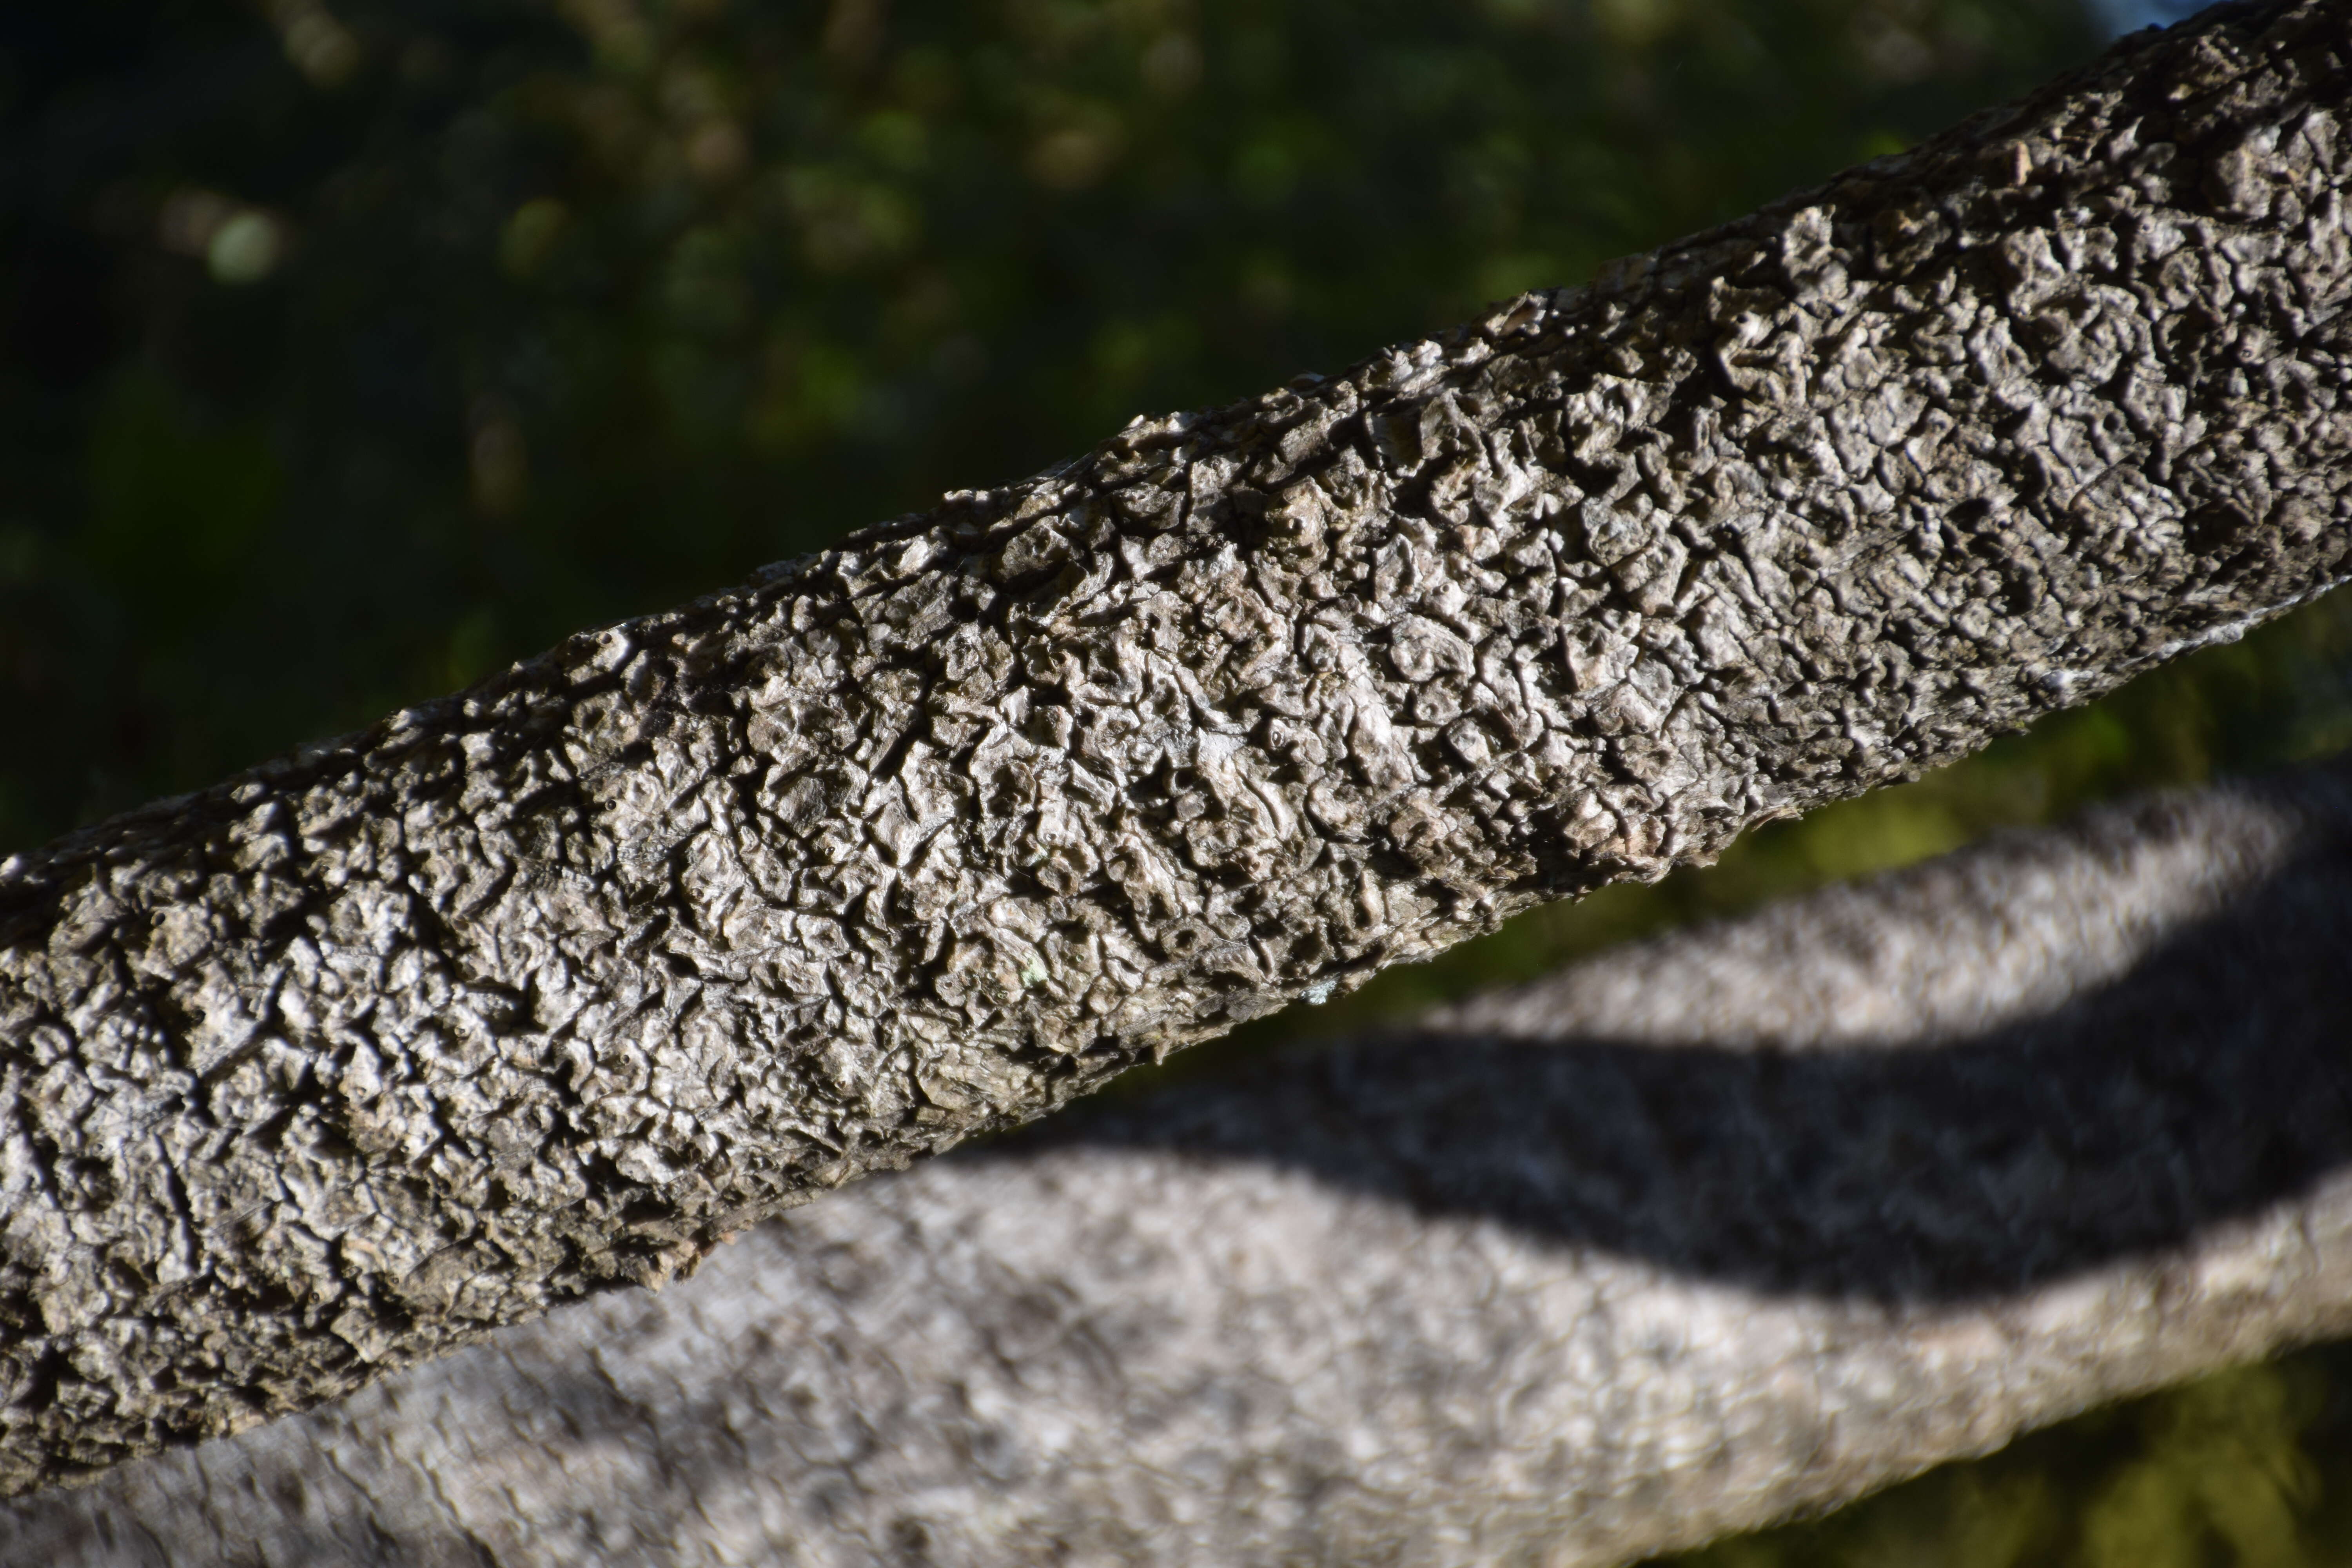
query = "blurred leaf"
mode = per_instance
[{"x": 2250, "y": 1468}]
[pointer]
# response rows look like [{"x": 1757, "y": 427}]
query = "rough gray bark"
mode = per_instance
[
  {"x": 1731, "y": 1224},
  {"x": 550, "y": 986}
]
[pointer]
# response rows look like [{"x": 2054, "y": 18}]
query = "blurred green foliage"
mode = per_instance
[
  {"x": 2246, "y": 1468},
  {"x": 349, "y": 349},
  {"x": 353, "y": 348}
]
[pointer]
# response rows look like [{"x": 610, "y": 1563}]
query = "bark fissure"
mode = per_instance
[{"x": 545, "y": 986}]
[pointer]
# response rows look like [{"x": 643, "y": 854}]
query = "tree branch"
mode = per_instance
[
  {"x": 1732, "y": 1225},
  {"x": 546, "y": 986}
]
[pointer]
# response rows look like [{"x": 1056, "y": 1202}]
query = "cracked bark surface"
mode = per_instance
[
  {"x": 548, "y": 986},
  {"x": 1708, "y": 1230}
]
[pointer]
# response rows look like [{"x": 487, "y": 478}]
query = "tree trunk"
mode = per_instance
[
  {"x": 549, "y": 985},
  {"x": 1732, "y": 1225}
]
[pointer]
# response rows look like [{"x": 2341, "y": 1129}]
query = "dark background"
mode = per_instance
[
  {"x": 355, "y": 348},
  {"x": 350, "y": 350}
]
